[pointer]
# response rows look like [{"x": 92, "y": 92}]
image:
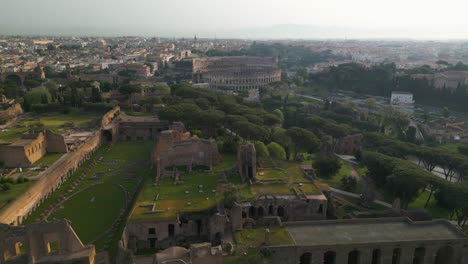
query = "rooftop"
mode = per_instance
[{"x": 363, "y": 231}]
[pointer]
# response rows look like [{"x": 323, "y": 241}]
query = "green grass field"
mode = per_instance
[
  {"x": 335, "y": 181},
  {"x": 48, "y": 159},
  {"x": 55, "y": 122},
  {"x": 173, "y": 198},
  {"x": 288, "y": 172},
  {"x": 99, "y": 200},
  {"x": 93, "y": 210}
]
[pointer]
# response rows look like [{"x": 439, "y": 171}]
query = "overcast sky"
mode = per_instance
[{"x": 236, "y": 18}]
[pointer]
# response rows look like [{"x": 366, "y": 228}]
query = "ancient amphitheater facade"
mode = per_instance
[{"x": 237, "y": 73}]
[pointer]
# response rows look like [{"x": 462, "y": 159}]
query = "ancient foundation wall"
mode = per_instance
[
  {"x": 49, "y": 181},
  {"x": 10, "y": 113},
  {"x": 55, "y": 142}
]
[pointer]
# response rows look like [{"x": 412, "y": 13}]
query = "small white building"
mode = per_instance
[{"x": 401, "y": 98}]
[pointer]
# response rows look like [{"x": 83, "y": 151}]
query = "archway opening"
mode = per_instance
[
  {"x": 419, "y": 254},
  {"x": 171, "y": 230},
  {"x": 396, "y": 256},
  {"x": 271, "y": 210},
  {"x": 353, "y": 257},
  {"x": 329, "y": 257},
  {"x": 444, "y": 255},
  {"x": 218, "y": 239},
  {"x": 376, "y": 256},
  {"x": 260, "y": 212},
  {"x": 252, "y": 212},
  {"x": 280, "y": 211},
  {"x": 306, "y": 258}
]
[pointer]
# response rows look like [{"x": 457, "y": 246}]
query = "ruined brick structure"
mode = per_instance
[
  {"x": 364, "y": 241},
  {"x": 348, "y": 145},
  {"x": 187, "y": 228},
  {"x": 176, "y": 148},
  {"x": 247, "y": 162},
  {"x": 10, "y": 112},
  {"x": 140, "y": 127},
  {"x": 30, "y": 148},
  {"x": 236, "y": 74},
  {"x": 44, "y": 242},
  {"x": 266, "y": 208}
]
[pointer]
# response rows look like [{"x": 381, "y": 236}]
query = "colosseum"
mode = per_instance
[{"x": 235, "y": 74}]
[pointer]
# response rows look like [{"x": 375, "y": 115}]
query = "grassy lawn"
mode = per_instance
[
  {"x": 436, "y": 210},
  {"x": 54, "y": 121},
  {"x": 174, "y": 198},
  {"x": 335, "y": 181},
  {"x": 49, "y": 159},
  {"x": 229, "y": 161},
  {"x": 93, "y": 210},
  {"x": 271, "y": 174},
  {"x": 249, "y": 240},
  {"x": 16, "y": 190},
  {"x": 255, "y": 237}
]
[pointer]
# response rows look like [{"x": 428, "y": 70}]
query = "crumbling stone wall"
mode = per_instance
[
  {"x": 26, "y": 151},
  {"x": 31, "y": 147},
  {"x": 36, "y": 240},
  {"x": 110, "y": 116},
  {"x": 10, "y": 113},
  {"x": 247, "y": 162},
  {"x": 178, "y": 149},
  {"x": 55, "y": 142},
  {"x": 50, "y": 180},
  {"x": 287, "y": 208}
]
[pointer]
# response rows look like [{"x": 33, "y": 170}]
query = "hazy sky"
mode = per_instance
[{"x": 236, "y": 18}]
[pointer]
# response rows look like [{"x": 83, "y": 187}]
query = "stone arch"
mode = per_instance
[
  {"x": 306, "y": 258},
  {"x": 354, "y": 257},
  {"x": 280, "y": 212},
  {"x": 260, "y": 212},
  {"x": 376, "y": 256},
  {"x": 445, "y": 255},
  {"x": 19, "y": 248},
  {"x": 171, "y": 230},
  {"x": 329, "y": 257},
  {"x": 419, "y": 255},
  {"x": 14, "y": 78},
  {"x": 396, "y": 256},
  {"x": 218, "y": 239},
  {"x": 252, "y": 212},
  {"x": 271, "y": 210}
]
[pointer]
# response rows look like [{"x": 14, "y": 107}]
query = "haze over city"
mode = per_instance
[
  {"x": 233, "y": 132},
  {"x": 306, "y": 19}
]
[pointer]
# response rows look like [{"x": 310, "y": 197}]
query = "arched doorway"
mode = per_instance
[
  {"x": 171, "y": 230},
  {"x": 306, "y": 258},
  {"x": 419, "y": 254},
  {"x": 252, "y": 212},
  {"x": 218, "y": 239},
  {"x": 353, "y": 257},
  {"x": 376, "y": 256},
  {"x": 260, "y": 212},
  {"x": 15, "y": 79},
  {"x": 396, "y": 256},
  {"x": 271, "y": 210},
  {"x": 107, "y": 135},
  {"x": 444, "y": 255},
  {"x": 329, "y": 257},
  {"x": 280, "y": 211}
]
